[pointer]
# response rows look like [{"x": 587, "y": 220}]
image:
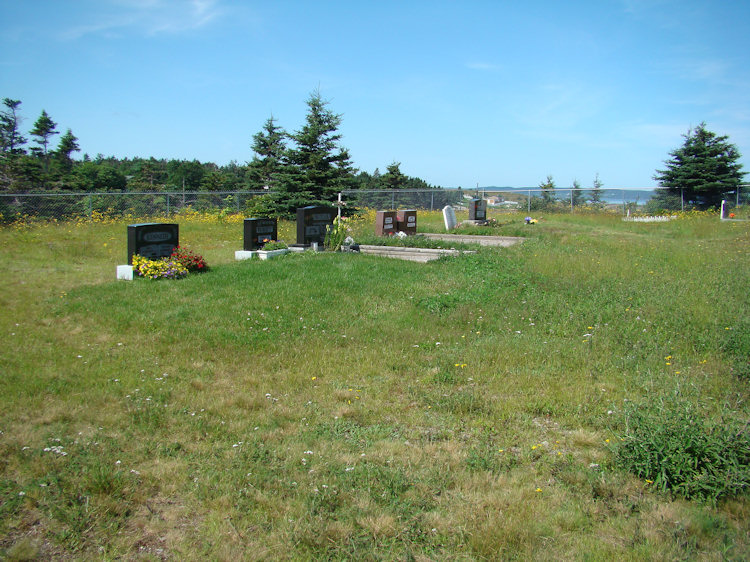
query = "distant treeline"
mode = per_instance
[{"x": 305, "y": 167}]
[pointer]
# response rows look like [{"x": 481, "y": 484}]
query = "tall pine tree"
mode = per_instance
[
  {"x": 701, "y": 171},
  {"x": 319, "y": 166},
  {"x": 43, "y": 130},
  {"x": 267, "y": 167}
]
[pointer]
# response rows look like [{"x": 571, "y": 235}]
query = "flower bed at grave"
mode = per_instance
[
  {"x": 178, "y": 265},
  {"x": 164, "y": 268},
  {"x": 192, "y": 261}
]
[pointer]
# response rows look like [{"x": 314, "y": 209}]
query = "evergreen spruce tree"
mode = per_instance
[
  {"x": 43, "y": 130},
  {"x": 393, "y": 178},
  {"x": 701, "y": 171},
  {"x": 577, "y": 199},
  {"x": 269, "y": 146},
  {"x": 596, "y": 192},
  {"x": 11, "y": 147},
  {"x": 11, "y": 140},
  {"x": 548, "y": 192},
  {"x": 68, "y": 145},
  {"x": 318, "y": 166}
]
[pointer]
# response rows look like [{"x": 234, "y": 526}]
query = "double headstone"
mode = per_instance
[
  {"x": 312, "y": 223},
  {"x": 385, "y": 223},
  {"x": 257, "y": 232},
  {"x": 407, "y": 221},
  {"x": 477, "y": 210},
  {"x": 152, "y": 240}
]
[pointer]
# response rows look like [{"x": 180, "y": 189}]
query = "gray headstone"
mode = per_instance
[{"x": 449, "y": 216}]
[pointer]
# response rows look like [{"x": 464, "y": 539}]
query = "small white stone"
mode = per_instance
[{"x": 125, "y": 272}]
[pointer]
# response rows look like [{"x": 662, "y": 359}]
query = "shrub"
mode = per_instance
[{"x": 671, "y": 444}]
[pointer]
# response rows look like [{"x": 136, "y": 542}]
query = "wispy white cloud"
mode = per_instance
[
  {"x": 560, "y": 105},
  {"x": 147, "y": 17}
]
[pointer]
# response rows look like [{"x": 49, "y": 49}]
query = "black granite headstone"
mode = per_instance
[
  {"x": 477, "y": 210},
  {"x": 152, "y": 240},
  {"x": 312, "y": 222},
  {"x": 257, "y": 232}
]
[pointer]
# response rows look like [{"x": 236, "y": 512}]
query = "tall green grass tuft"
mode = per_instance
[{"x": 670, "y": 443}]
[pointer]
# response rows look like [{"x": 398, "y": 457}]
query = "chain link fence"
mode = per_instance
[
  {"x": 519, "y": 199},
  {"x": 67, "y": 206},
  {"x": 134, "y": 205}
]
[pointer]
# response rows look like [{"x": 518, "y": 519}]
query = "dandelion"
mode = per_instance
[{"x": 538, "y": 490}]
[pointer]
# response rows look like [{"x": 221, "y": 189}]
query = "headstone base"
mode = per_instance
[
  {"x": 315, "y": 247},
  {"x": 244, "y": 254},
  {"x": 125, "y": 272},
  {"x": 474, "y": 223}
]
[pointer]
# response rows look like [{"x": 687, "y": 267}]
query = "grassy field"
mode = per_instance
[{"x": 341, "y": 406}]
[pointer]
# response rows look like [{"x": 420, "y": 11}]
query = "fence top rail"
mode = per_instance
[
  {"x": 118, "y": 193},
  {"x": 470, "y": 190}
]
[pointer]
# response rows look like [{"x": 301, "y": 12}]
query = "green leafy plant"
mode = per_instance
[
  {"x": 336, "y": 234},
  {"x": 274, "y": 245},
  {"x": 671, "y": 444}
]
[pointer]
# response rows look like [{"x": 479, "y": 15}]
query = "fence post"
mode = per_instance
[
  {"x": 529, "y": 202},
  {"x": 393, "y": 200},
  {"x": 432, "y": 200},
  {"x": 91, "y": 206},
  {"x": 571, "y": 199},
  {"x": 168, "y": 210}
]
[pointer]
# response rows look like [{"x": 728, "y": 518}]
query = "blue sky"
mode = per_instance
[{"x": 461, "y": 93}]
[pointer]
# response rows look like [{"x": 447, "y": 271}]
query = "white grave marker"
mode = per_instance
[{"x": 449, "y": 216}]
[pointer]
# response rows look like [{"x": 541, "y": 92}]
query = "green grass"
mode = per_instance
[{"x": 340, "y": 406}]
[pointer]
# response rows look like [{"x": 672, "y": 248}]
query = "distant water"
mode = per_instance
[{"x": 640, "y": 196}]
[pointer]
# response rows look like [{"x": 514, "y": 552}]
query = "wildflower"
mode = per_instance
[{"x": 538, "y": 489}]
